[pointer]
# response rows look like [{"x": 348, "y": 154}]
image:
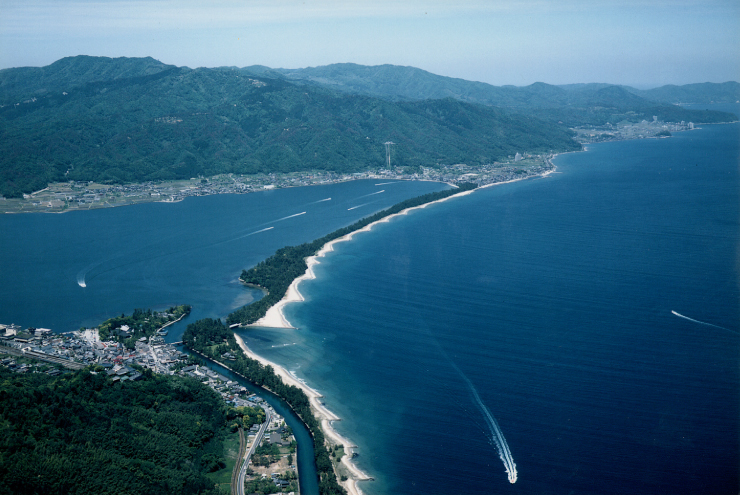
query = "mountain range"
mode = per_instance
[{"x": 137, "y": 119}]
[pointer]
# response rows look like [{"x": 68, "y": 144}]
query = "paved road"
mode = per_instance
[{"x": 255, "y": 443}]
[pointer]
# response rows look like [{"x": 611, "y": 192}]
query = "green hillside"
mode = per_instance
[
  {"x": 571, "y": 105},
  {"x": 130, "y": 120},
  {"x": 728, "y": 92},
  {"x": 80, "y": 433}
]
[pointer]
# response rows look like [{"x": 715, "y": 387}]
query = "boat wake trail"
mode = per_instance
[
  {"x": 320, "y": 201},
  {"x": 372, "y": 194},
  {"x": 358, "y": 206},
  {"x": 255, "y": 232},
  {"x": 702, "y": 322},
  {"x": 291, "y": 216},
  {"x": 384, "y": 183},
  {"x": 83, "y": 273},
  {"x": 497, "y": 437}
]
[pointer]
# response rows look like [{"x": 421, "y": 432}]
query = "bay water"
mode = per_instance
[
  {"x": 588, "y": 319},
  {"x": 549, "y": 306}
]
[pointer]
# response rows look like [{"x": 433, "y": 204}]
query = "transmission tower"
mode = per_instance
[{"x": 388, "y": 153}]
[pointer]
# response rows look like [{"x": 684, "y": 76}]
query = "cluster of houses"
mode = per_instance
[{"x": 80, "y": 349}]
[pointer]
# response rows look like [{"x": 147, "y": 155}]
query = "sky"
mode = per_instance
[{"x": 643, "y": 43}]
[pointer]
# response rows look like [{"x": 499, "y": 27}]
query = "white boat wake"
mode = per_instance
[
  {"x": 358, "y": 206},
  {"x": 255, "y": 232},
  {"x": 497, "y": 437},
  {"x": 371, "y": 194},
  {"x": 83, "y": 273},
  {"x": 320, "y": 201},
  {"x": 290, "y": 216},
  {"x": 701, "y": 322}
]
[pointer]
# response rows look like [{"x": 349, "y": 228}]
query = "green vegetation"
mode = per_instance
[
  {"x": 261, "y": 486},
  {"x": 137, "y": 120},
  {"x": 142, "y": 323},
  {"x": 212, "y": 338},
  {"x": 278, "y": 271},
  {"x": 700, "y": 93},
  {"x": 222, "y": 477},
  {"x": 248, "y": 416},
  {"x": 80, "y": 433},
  {"x": 571, "y": 105},
  {"x": 266, "y": 454}
]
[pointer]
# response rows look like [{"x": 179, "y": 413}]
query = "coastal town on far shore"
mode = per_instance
[
  {"x": 270, "y": 447},
  {"x": 68, "y": 196},
  {"x": 74, "y": 195}
]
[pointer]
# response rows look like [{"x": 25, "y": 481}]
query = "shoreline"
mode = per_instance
[
  {"x": 320, "y": 411},
  {"x": 275, "y": 318}
]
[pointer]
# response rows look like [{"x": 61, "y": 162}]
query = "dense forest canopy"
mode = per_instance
[
  {"x": 82, "y": 433},
  {"x": 134, "y": 120},
  {"x": 574, "y": 104}
]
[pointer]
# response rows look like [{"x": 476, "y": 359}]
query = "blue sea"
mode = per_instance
[
  {"x": 581, "y": 329},
  {"x": 548, "y": 305}
]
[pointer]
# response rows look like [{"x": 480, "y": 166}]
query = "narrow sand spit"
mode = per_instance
[{"x": 274, "y": 318}]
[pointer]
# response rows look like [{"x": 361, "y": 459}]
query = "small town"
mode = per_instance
[
  {"x": 68, "y": 196},
  {"x": 268, "y": 448},
  {"x": 623, "y": 131}
]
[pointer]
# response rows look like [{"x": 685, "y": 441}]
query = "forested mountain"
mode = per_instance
[
  {"x": 28, "y": 82},
  {"x": 137, "y": 119},
  {"x": 123, "y": 120},
  {"x": 80, "y": 433},
  {"x": 728, "y": 92},
  {"x": 571, "y": 105}
]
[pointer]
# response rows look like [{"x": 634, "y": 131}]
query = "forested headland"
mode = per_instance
[
  {"x": 277, "y": 272},
  {"x": 80, "y": 433}
]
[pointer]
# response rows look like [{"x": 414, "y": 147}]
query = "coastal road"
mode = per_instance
[{"x": 257, "y": 441}]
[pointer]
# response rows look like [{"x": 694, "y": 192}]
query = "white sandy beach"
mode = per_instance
[
  {"x": 324, "y": 415},
  {"x": 274, "y": 318}
]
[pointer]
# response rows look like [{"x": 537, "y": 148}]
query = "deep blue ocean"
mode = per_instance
[
  {"x": 553, "y": 299},
  {"x": 540, "y": 310}
]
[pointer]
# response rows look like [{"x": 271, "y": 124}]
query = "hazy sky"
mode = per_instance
[{"x": 643, "y": 43}]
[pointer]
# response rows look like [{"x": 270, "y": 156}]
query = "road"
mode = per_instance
[
  {"x": 255, "y": 443},
  {"x": 40, "y": 356}
]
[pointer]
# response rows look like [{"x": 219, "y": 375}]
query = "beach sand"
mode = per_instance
[
  {"x": 324, "y": 415},
  {"x": 274, "y": 318}
]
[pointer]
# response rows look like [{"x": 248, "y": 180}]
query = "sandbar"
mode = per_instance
[{"x": 274, "y": 318}]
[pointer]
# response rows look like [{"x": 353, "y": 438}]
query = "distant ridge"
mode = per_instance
[
  {"x": 572, "y": 104},
  {"x": 73, "y": 71},
  {"x": 727, "y": 92},
  {"x": 133, "y": 120}
]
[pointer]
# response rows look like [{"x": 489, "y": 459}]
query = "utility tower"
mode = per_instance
[{"x": 388, "y": 153}]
